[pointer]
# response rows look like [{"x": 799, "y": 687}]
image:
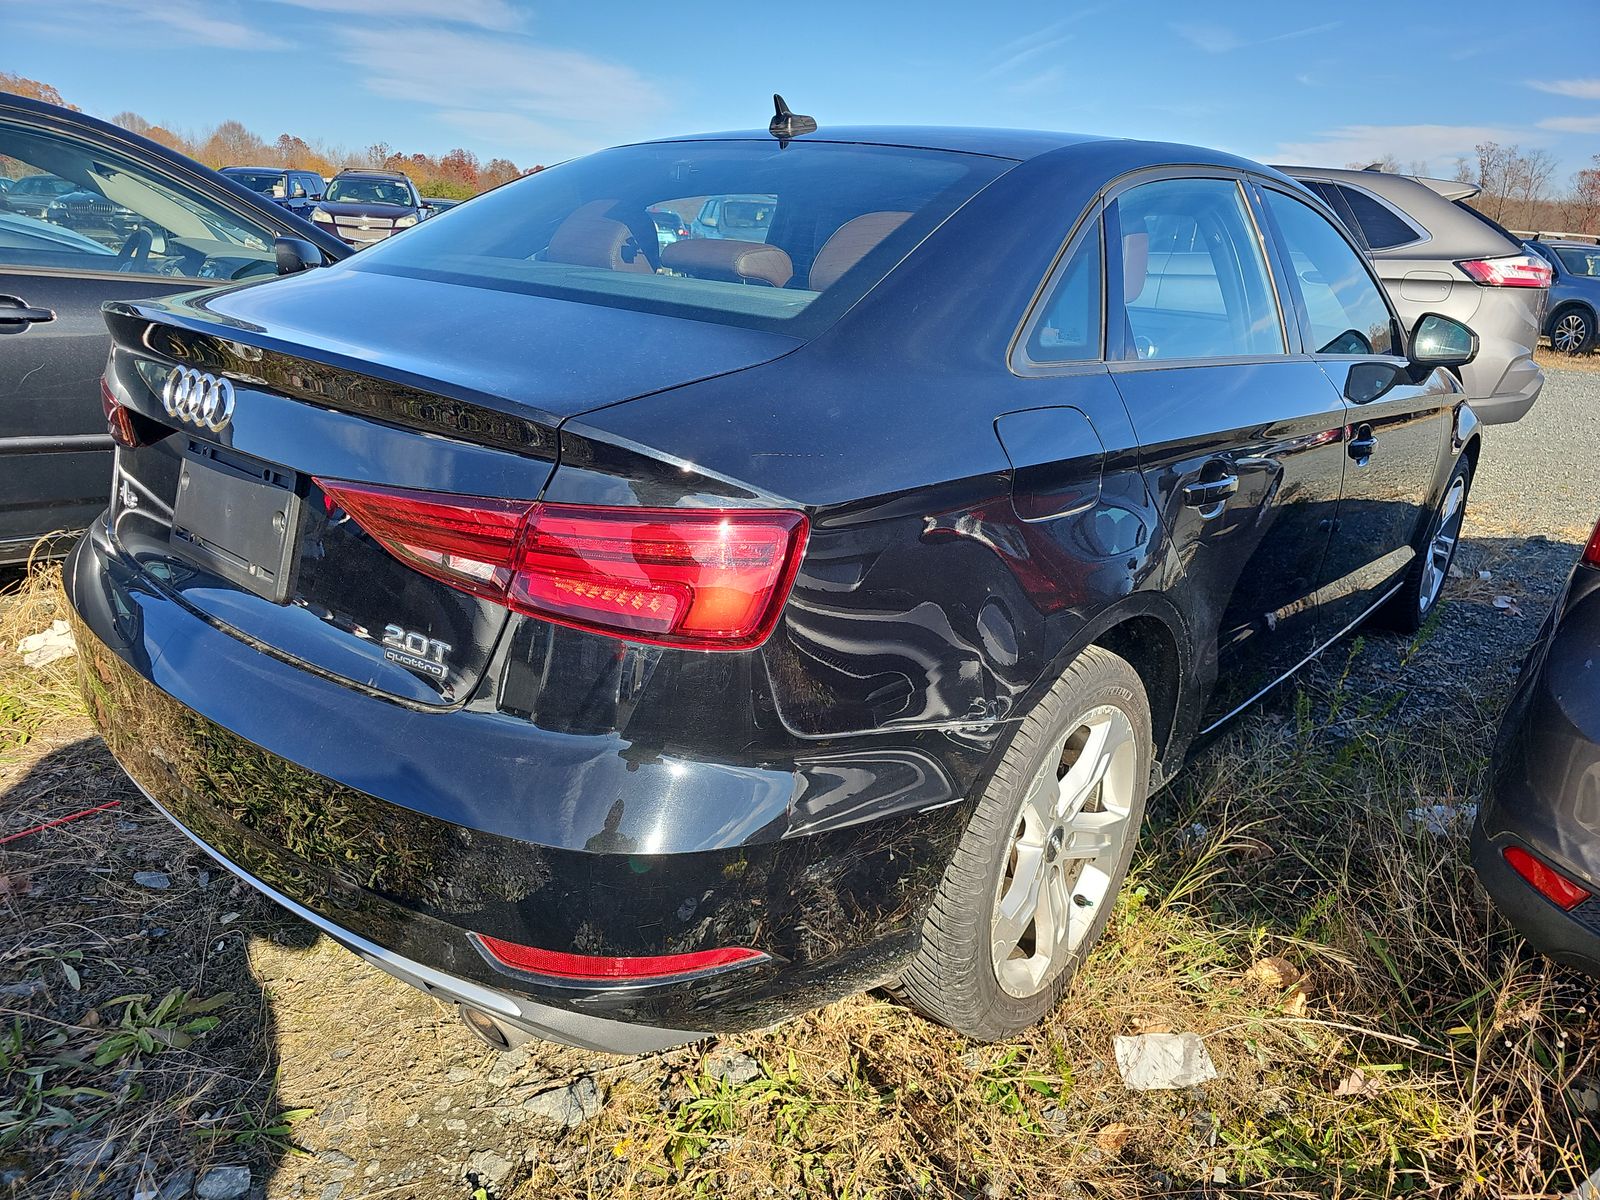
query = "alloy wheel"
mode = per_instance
[
  {"x": 1065, "y": 847},
  {"x": 1570, "y": 333},
  {"x": 1442, "y": 549}
]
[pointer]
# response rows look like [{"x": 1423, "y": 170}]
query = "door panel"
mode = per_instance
[{"x": 1245, "y": 567}]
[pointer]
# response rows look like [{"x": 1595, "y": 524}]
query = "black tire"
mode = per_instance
[
  {"x": 1571, "y": 330},
  {"x": 1414, "y": 603},
  {"x": 953, "y": 978}
]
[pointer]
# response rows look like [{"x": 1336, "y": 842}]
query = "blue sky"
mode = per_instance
[{"x": 541, "y": 81}]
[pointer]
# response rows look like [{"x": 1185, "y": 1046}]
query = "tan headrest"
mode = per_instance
[
  {"x": 589, "y": 238},
  {"x": 850, "y": 243},
  {"x": 1135, "y": 264},
  {"x": 728, "y": 260}
]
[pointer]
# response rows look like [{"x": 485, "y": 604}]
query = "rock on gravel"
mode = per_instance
[
  {"x": 158, "y": 881},
  {"x": 568, "y": 1106},
  {"x": 732, "y": 1065},
  {"x": 223, "y": 1183},
  {"x": 488, "y": 1168}
]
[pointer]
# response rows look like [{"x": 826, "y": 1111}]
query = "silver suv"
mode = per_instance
[{"x": 1436, "y": 254}]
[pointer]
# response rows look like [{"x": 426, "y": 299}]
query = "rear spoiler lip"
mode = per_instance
[{"x": 1450, "y": 189}]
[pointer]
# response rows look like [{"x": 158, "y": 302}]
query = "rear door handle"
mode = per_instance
[
  {"x": 16, "y": 316},
  {"x": 1210, "y": 492}
]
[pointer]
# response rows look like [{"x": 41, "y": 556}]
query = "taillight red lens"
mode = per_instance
[
  {"x": 1514, "y": 270},
  {"x": 602, "y": 968},
  {"x": 712, "y": 579},
  {"x": 1547, "y": 881},
  {"x": 1591, "y": 552},
  {"x": 119, "y": 420}
]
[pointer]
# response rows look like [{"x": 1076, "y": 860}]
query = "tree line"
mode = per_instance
[
  {"x": 456, "y": 175},
  {"x": 1517, "y": 187}
]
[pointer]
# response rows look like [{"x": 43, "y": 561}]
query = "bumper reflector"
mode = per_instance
[
  {"x": 607, "y": 968},
  {"x": 1547, "y": 881}
]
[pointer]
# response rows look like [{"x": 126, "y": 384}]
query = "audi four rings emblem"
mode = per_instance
[{"x": 198, "y": 398}]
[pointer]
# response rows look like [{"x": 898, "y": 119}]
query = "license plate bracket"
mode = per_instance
[{"x": 237, "y": 517}]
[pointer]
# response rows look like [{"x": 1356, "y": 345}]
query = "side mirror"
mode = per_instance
[
  {"x": 295, "y": 255},
  {"x": 1441, "y": 341}
]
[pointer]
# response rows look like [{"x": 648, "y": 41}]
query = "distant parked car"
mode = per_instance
[
  {"x": 1536, "y": 840},
  {"x": 737, "y": 218},
  {"x": 30, "y": 196},
  {"x": 5, "y": 184},
  {"x": 298, "y": 191},
  {"x": 670, "y": 227},
  {"x": 120, "y": 218},
  {"x": 1435, "y": 253},
  {"x": 362, "y": 207},
  {"x": 438, "y": 203},
  {"x": 1570, "y": 316}
]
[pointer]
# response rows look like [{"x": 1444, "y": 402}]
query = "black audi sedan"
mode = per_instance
[
  {"x": 627, "y": 641},
  {"x": 1536, "y": 840}
]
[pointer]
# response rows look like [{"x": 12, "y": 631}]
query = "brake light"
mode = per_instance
[
  {"x": 1547, "y": 881},
  {"x": 122, "y": 423},
  {"x": 710, "y": 579},
  {"x": 604, "y": 968},
  {"x": 1514, "y": 270}
]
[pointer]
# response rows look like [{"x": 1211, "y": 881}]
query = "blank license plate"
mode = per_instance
[{"x": 236, "y": 516}]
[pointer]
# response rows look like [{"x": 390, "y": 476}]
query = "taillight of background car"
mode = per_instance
[
  {"x": 706, "y": 579},
  {"x": 1514, "y": 270}
]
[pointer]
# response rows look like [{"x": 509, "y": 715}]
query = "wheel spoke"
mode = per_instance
[
  {"x": 1084, "y": 777},
  {"x": 1091, "y": 834},
  {"x": 1020, "y": 905}
]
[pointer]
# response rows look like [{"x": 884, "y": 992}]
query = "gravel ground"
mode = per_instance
[{"x": 1542, "y": 474}]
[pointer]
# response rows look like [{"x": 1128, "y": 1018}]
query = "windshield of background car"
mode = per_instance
[
  {"x": 1579, "y": 262},
  {"x": 831, "y": 219},
  {"x": 368, "y": 191},
  {"x": 267, "y": 183}
]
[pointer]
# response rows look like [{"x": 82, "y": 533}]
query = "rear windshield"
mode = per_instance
[
  {"x": 1579, "y": 261},
  {"x": 777, "y": 238},
  {"x": 268, "y": 183},
  {"x": 369, "y": 191}
]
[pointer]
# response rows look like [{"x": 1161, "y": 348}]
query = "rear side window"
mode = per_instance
[
  {"x": 778, "y": 237},
  {"x": 1068, "y": 329},
  {"x": 1380, "y": 225},
  {"x": 1194, "y": 280},
  {"x": 1345, "y": 311}
]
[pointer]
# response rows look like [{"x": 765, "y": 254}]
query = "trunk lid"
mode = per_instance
[{"x": 369, "y": 379}]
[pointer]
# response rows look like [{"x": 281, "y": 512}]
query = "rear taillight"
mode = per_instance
[
  {"x": 708, "y": 579},
  {"x": 127, "y": 428},
  {"x": 1514, "y": 270},
  {"x": 1547, "y": 881},
  {"x": 1591, "y": 551},
  {"x": 611, "y": 969}
]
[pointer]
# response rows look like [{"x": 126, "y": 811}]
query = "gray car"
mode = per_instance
[{"x": 1434, "y": 253}]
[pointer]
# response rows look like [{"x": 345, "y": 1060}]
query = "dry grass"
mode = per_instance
[
  {"x": 1551, "y": 361},
  {"x": 1424, "y": 1051}
]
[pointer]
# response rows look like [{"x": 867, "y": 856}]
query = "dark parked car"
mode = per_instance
[
  {"x": 118, "y": 217},
  {"x": 1570, "y": 315},
  {"x": 626, "y": 641},
  {"x": 1436, "y": 253},
  {"x": 296, "y": 190},
  {"x": 1535, "y": 843},
  {"x": 363, "y": 207},
  {"x": 437, "y": 204},
  {"x": 32, "y": 194}
]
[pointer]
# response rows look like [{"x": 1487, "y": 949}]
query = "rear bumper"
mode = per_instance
[
  {"x": 370, "y": 820},
  {"x": 1515, "y": 393},
  {"x": 1544, "y": 795}
]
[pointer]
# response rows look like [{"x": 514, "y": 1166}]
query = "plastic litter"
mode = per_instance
[
  {"x": 51, "y": 645},
  {"x": 1152, "y": 1062}
]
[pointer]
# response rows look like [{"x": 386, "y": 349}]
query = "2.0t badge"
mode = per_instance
[{"x": 416, "y": 651}]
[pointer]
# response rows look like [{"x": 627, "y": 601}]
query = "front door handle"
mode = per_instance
[
  {"x": 16, "y": 316},
  {"x": 1362, "y": 445},
  {"x": 1209, "y": 493}
]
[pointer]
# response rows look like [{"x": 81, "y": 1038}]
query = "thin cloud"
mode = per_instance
[
  {"x": 486, "y": 14},
  {"x": 522, "y": 93},
  {"x": 175, "y": 22},
  {"x": 1578, "y": 89},
  {"x": 1408, "y": 143},
  {"x": 1218, "y": 39},
  {"x": 1030, "y": 46},
  {"x": 1571, "y": 124}
]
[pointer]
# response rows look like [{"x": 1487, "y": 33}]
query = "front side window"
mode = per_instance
[
  {"x": 1068, "y": 329},
  {"x": 74, "y": 206},
  {"x": 1195, "y": 282},
  {"x": 782, "y": 238},
  {"x": 1344, "y": 308},
  {"x": 1577, "y": 261},
  {"x": 263, "y": 183}
]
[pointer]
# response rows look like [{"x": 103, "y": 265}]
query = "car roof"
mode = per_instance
[
  {"x": 1379, "y": 181},
  {"x": 270, "y": 170},
  {"x": 374, "y": 172},
  {"x": 1570, "y": 243}
]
